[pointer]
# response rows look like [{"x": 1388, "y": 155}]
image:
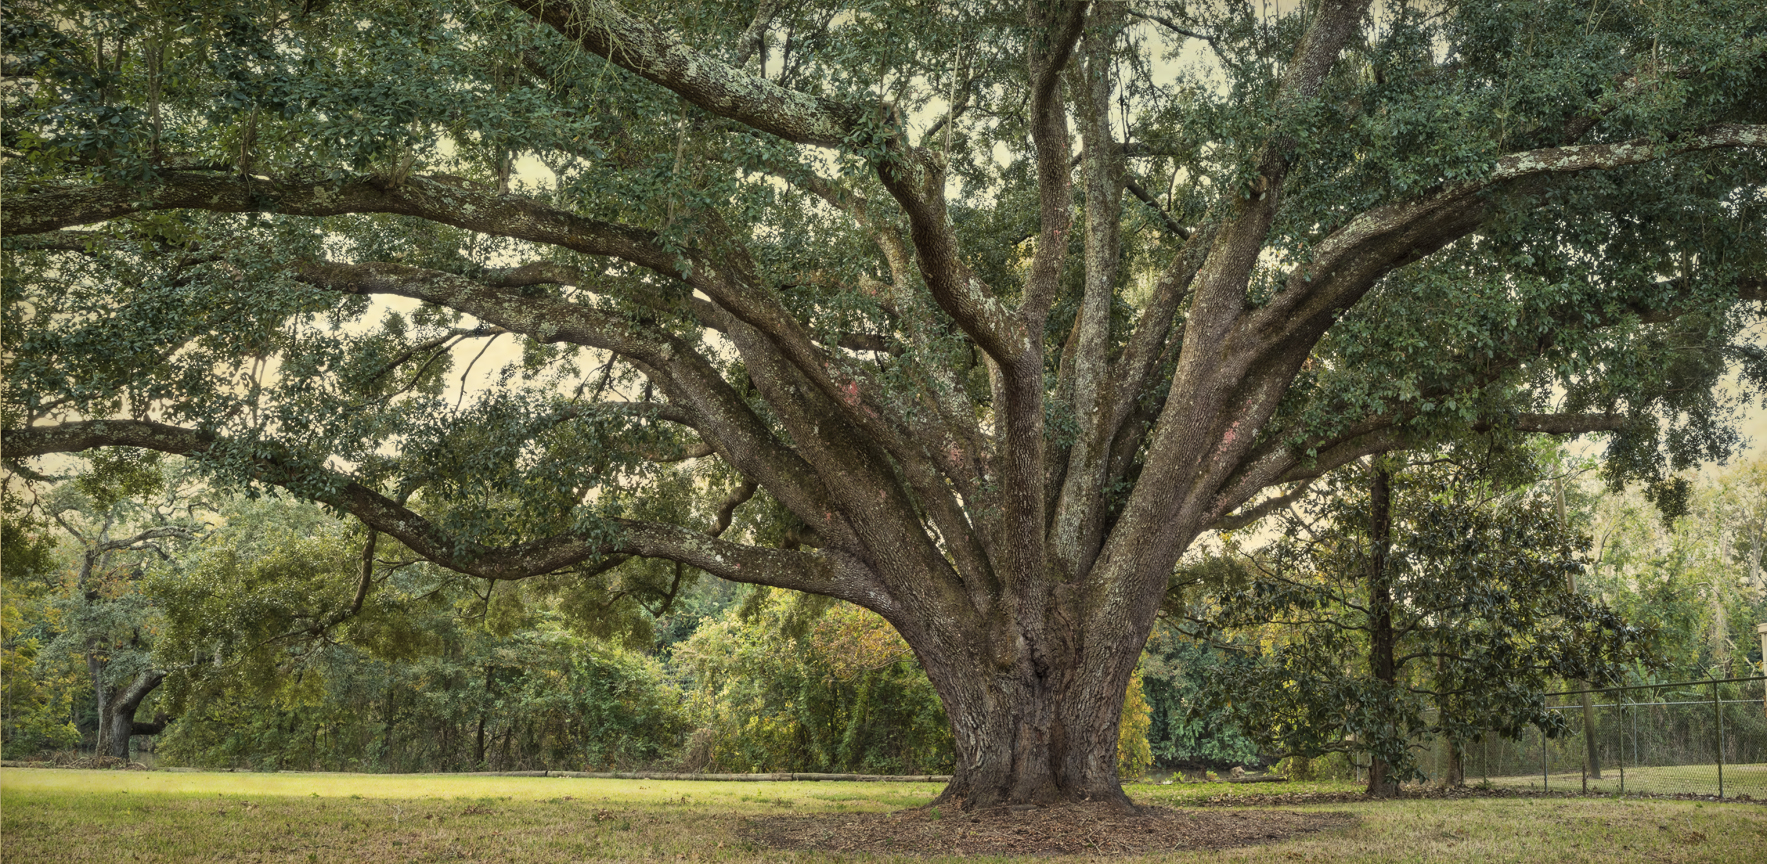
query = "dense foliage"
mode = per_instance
[
  {"x": 36, "y": 703},
  {"x": 973, "y": 314},
  {"x": 797, "y": 688},
  {"x": 774, "y": 681},
  {"x": 1499, "y": 590},
  {"x": 1696, "y": 581},
  {"x": 280, "y": 668},
  {"x": 1184, "y": 729},
  {"x": 274, "y": 668}
]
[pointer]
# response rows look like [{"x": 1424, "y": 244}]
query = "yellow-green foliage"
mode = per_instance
[
  {"x": 1134, "y": 754},
  {"x": 36, "y": 691},
  {"x": 36, "y": 701},
  {"x": 792, "y": 690}
]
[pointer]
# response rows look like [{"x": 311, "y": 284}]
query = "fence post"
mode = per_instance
[
  {"x": 1718, "y": 713},
  {"x": 1545, "y": 757},
  {"x": 1591, "y": 759}
]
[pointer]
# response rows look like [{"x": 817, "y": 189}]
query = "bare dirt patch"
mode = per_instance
[{"x": 1078, "y": 829}]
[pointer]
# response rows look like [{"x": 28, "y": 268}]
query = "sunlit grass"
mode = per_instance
[
  {"x": 636, "y": 793},
  {"x": 1192, "y": 794},
  {"x": 1750, "y": 780},
  {"x": 66, "y": 815}
]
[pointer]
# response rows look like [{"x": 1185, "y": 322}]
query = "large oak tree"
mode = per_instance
[{"x": 975, "y": 314}]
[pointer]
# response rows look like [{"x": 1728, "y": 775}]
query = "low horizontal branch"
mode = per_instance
[
  {"x": 433, "y": 198},
  {"x": 797, "y": 570}
]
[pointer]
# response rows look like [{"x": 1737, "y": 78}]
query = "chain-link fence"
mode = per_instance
[{"x": 1697, "y": 737}]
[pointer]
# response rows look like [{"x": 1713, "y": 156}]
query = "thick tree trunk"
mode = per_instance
[
  {"x": 122, "y": 723},
  {"x": 1382, "y": 781},
  {"x": 1037, "y": 733},
  {"x": 1016, "y": 745}
]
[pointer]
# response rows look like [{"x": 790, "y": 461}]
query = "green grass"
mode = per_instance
[
  {"x": 1748, "y": 780},
  {"x": 300, "y": 784},
  {"x": 1195, "y": 794},
  {"x": 65, "y": 815}
]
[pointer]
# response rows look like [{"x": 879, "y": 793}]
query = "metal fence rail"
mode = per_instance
[{"x": 1686, "y": 737}]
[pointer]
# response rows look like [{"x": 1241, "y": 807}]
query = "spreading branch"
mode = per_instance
[
  {"x": 815, "y": 570},
  {"x": 603, "y": 29}
]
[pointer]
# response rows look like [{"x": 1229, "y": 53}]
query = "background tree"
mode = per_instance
[
  {"x": 793, "y": 684},
  {"x": 36, "y": 711},
  {"x": 987, "y": 312},
  {"x": 1188, "y": 729},
  {"x": 298, "y": 642},
  {"x": 126, "y": 510},
  {"x": 1413, "y": 601},
  {"x": 1691, "y": 579}
]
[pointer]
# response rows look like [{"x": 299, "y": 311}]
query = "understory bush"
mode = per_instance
[
  {"x": 786, "y": 689},
  {"x": 537, "y": 701}
]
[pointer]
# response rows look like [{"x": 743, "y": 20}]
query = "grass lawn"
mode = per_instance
[
  {"x": 1750, "y": 780},
  {"x": 129, "y": 816}
]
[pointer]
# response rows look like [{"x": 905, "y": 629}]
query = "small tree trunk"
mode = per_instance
[
  {"x": 101, "y": 702},
  {"x": 1591, "y": 761},
  {"x": 1382, "y": 780},
  {"x": 1455, "y": 776},
  {"x": 1592, "y": 758},
  {"x": 478, "y": 750},
  {"x": 387, "y": 734}
]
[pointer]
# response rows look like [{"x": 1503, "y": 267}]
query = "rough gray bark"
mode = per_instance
[{"x": 122, "y": 725}]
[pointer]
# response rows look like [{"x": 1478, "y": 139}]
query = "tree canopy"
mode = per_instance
[{"x": 975, "y": 315}]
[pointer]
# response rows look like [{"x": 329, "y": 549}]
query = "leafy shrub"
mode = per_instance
[
  {"x": 840, "y": 692},
  {"x": 1134, "y": 753}
]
